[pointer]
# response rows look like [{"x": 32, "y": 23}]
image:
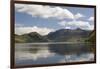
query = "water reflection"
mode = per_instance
[
  {"x": 64, "y": 49},
  {"x": 52, "y": 53}
]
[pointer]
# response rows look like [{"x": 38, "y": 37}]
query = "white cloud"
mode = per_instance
[
  {"x": 55, "y": 12},
  {"x": 40, "y": 30},
  {"x": 91, "y": 19},
  {"x": 18, "y": 25},
  {"x": 77, "y": 24},
  {"x": 44, "y": 11},
  {"x": 79, "y": 15},
  {"x": 62, "y": 23},
  {"x": 47, "y": 11},
  {"x": 68, "y": 28}
]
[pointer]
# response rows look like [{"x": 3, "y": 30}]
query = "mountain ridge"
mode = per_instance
[{"x": 61, "y": 35}]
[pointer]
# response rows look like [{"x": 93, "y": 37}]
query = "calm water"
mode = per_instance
[{"x": 49, "y": 53}]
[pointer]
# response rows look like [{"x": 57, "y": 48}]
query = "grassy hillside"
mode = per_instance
[
  {"x": 29, "y": 37},
  {"x": 62, "y": 35},
  {"x": 92, "y": 37}
]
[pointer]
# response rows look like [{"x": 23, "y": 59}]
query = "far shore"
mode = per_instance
[{"x": 55, "y": 43}]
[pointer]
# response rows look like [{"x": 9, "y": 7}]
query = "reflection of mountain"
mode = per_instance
[
  {"x": 61, "y": 35},
  {"x": 77, "y": 48}
]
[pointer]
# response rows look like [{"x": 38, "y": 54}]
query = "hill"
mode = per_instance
[
  {"x": 62, "y": 35},
  {"x": 30, "y": 37}
]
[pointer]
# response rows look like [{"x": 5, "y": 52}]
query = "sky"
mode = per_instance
[{"x": 44, "y": 19}]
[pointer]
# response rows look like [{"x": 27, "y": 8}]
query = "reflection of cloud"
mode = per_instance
[
  {"x": 91, "y": 19},
  {"x": 34, "y": 56},
  {"x": 77, "y": 24},
  {"x": 40, "y": 30},
  {"x": 43, "y": 54},
  {"x": 52, "y": 57},
  {"x": 78, "y": 58}
]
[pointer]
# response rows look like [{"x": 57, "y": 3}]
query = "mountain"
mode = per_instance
[
  {"x": 30, "y": 37},
  {"x": 68, "y": 35},
  {"x": 62, "y": 35},
  {"x": 92, "y": 37}
]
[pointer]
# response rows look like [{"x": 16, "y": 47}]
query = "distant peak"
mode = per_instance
[
  {"x": 33, "y": 33},
  {"x": 78, "y": 29}
]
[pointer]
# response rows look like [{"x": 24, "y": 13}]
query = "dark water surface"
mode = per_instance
[{"x": 49, "y": 53}]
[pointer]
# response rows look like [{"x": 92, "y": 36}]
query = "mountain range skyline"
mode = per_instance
[
  {"x": 54, "y": 31},
  {"x": 62, "y": 35}
]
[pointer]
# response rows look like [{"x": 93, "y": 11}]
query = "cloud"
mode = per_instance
[
  {"x": 18, "y": 25},
  {"x": 79, "y": 15},
  {"x": 44, "y": 11},
  {"x": 57, "y": 12},
  {"x": 91, "y": 19},
  {"x": 77, "y": 24},
  {"x": 62, "y": 23},
  {"x": 47, "y": 11},
  {"x": 40, "y": 30}
]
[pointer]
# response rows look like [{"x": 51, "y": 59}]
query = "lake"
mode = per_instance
[{"x": 51, "y": 53}]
